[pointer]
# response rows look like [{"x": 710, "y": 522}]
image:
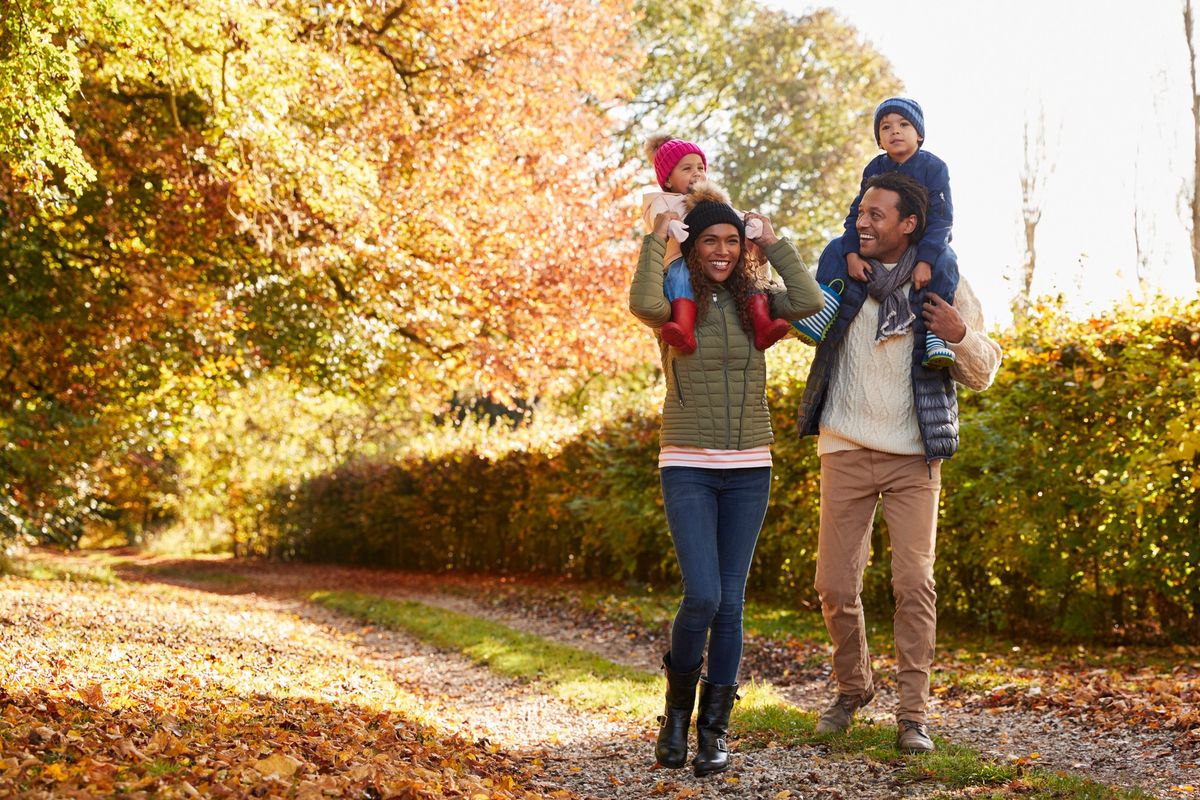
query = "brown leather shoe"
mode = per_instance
[
  {"x": 838, "y": 716},
  {"x": 913, "y": 737}
]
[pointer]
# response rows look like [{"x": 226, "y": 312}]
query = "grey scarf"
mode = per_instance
[{"x": 895, "y": 316}]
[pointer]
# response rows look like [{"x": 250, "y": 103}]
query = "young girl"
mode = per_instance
[{"x": 679, "y": 166}]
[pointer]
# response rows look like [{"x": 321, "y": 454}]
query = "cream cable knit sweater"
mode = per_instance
[{"x": 870, "y": 400}]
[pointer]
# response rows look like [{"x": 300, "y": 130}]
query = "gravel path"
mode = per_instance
[
  {"x": 597, "y": 756},
  {"x": 1129, "y": 757},
  {"x": 593, "y": 755}
]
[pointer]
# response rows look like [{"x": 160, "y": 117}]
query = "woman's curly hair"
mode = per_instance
[
  {"x": 747, "y": 276},
  {"x": 746, "y": 279}
]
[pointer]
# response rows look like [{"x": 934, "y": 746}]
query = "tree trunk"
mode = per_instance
[
  {"x": 1031, "y": 223},
  {"x": 1188, "y": 24}
]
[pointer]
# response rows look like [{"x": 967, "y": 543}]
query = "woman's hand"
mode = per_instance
[
  {"x": 768, "y": 236},
  {"x": 662, "y": 223}
]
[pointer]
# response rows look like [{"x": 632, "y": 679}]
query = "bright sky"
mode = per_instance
[{"x": 1113, "y": 81}]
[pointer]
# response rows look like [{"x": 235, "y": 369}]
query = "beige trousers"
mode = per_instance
[{"x": 852, "y": 483}]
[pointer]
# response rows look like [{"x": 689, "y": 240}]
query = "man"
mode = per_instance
[{"x": 885, "y": 423}]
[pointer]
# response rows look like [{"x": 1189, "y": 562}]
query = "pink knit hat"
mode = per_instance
[{"x": 668, "y": 155}]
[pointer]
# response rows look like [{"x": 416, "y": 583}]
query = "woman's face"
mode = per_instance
[{"x": 718, "y": 247}]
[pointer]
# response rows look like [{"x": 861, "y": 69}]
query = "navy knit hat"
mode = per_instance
[
  {"x": 909, "y": 109},
  {"x": 709, "y": 206}
]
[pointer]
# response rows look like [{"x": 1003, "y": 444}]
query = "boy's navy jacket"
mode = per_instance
[{"x": 931, "y": 171}]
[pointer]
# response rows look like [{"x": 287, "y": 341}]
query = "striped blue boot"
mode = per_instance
[
  {"x": 937, "y": 354},
  {"x": 812, "y": 329}
]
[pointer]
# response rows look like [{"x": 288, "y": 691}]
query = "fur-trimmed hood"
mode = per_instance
[{"x": 705, "y": 192}]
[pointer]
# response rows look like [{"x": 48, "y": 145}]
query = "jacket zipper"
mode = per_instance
[
  {"x": 678, "y": 388},
  {"x": 725, "y": 373}
]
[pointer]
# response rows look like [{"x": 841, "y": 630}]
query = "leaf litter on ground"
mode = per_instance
[
  {"x": 157, "y": 691},
  {"x": 981, "y": 675}
]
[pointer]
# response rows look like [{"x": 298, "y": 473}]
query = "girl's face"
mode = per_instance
[
  {"x": 688, "y": 172},
  {"x": 719, "y": 247}
]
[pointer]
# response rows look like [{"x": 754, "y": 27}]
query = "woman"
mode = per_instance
[{"x": 715, "y": 457}]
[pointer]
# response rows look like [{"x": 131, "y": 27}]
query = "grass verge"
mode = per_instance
[
  {"x": 36, "y": 570},
  {"x": 761, "y": 718}
]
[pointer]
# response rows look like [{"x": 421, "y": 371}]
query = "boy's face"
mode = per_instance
[
  {"x": 688, "y": 172},
  {"x": 898, "y": 137}
]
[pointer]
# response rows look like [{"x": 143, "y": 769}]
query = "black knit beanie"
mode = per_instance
[{"x": 705, "y": 214}]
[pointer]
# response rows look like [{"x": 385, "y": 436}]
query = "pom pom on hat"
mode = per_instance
[
  {"x": 666, "y": 152},
  {"x": 708, "y": 206},
  {"x": 909, "y": 109}
]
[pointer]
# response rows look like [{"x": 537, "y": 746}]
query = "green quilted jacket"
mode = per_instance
[{"x": 717, "y": 396}]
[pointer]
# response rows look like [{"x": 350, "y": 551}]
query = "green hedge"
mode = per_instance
[{"x": 1071, "y": 507}]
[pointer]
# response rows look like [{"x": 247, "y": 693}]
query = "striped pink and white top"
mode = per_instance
[{"x": 675, "y": 456}]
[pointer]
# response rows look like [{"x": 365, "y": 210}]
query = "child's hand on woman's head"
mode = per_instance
[
  {"x": 663, "y": 221},
  {"x": 768, "y": 237}
]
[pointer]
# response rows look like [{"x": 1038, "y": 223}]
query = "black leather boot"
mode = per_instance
[
  {"x": 712, "y": 725},
  {"x": 671, "y": 749}
]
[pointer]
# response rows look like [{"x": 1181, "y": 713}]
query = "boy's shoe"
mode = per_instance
[
  {"x": 838, "y": 716},
  {"x": 812, "y": 329},
  {"x": 913, "y": 737},
  {"x": 767, "y": 331},
  {"x": 680, "y": 332},
  {"x": 937, "y": 354}
]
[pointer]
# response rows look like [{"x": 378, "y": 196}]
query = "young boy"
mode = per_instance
[{"x": 900, "y": 132}]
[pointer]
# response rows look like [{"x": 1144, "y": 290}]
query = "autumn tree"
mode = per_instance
[
  {"x": 784, "y": 104},
  {"x": 39, "y": 76},
  {"x": 387, "y": 200}
]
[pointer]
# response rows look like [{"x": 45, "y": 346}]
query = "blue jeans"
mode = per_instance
[
  {"x": 678, "y": 283},
  {"x": 715, "y": 516},
  {"x": 832, "y": 265}
]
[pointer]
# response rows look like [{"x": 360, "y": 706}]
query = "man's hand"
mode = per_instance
[
  {"x": 858, "y": 267},
  {"x": 921, "y": 275},
  {"x": 943, "y": 319},
  {"x": 662, "y": 222}
]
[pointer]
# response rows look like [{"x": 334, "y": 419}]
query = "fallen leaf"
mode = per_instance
[
  {"x": 93, "y": 695},
  {"x": 277, "y": 765}
]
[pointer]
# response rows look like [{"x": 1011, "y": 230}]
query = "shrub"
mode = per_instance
[{"x": 1071, "y": 507}]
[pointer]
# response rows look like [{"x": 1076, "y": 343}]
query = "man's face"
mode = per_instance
[{"x": 882, "y": 233}]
